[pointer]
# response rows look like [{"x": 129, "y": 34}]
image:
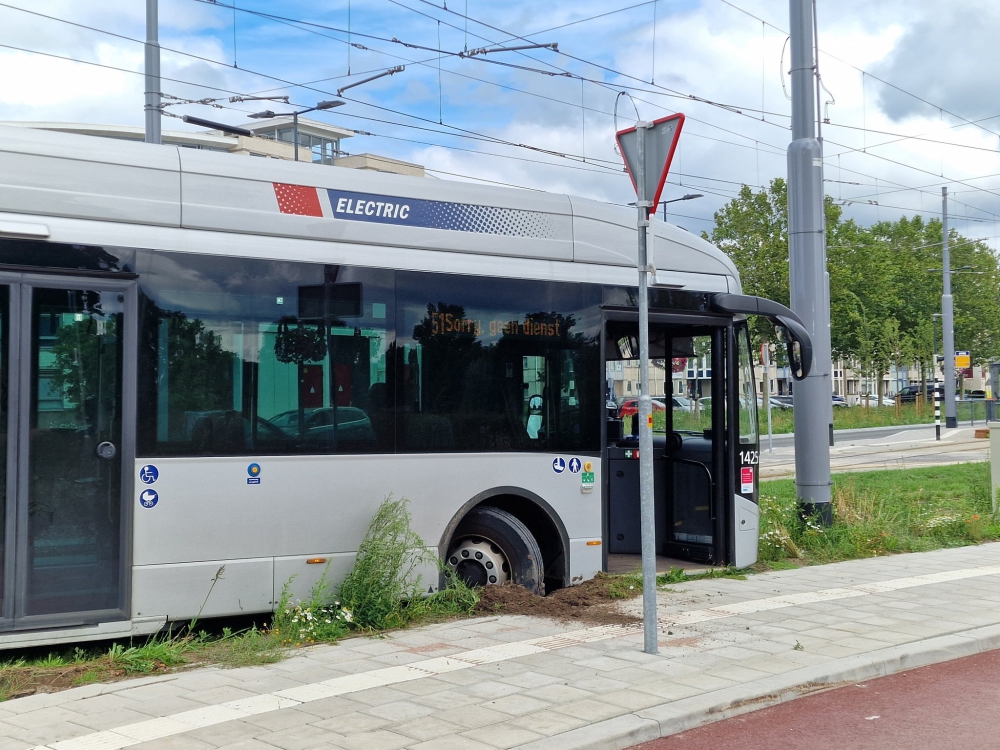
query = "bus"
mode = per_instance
[{"x": 213, "y": 369}]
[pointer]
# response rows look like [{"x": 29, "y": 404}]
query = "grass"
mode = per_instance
[
  {"x": 881, "y": 512},
  {"x": 844, "y": 418}
]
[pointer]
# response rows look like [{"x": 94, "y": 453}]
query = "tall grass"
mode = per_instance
[{"x": 881, "y": 512}]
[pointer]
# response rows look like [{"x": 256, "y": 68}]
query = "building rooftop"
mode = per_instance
[{"x": 319, "y": 142}]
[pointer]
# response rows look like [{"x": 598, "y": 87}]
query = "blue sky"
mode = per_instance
[{"x": 461, "y": 121}]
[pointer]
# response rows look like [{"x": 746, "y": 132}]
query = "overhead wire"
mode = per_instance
[{"x": 405, "y": 114}]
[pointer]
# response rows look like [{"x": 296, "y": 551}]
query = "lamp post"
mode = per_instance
[
  {"x": 688, "y": 197},
  {"x": 268, "y": 114}
]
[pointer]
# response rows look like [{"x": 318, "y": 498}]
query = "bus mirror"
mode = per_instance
[{"x": 793, "y": 347}]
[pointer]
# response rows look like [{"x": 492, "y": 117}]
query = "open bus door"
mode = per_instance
[{"x": 705, "y": 461}]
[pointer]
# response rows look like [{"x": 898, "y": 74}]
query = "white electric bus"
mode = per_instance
[{"x": 208, "y": 360}]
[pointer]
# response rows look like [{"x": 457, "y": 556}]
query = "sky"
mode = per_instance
[{"x": 908, "y": 84}]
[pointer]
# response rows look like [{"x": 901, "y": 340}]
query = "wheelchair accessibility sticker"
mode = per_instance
[{"x": 148, "y": 474}]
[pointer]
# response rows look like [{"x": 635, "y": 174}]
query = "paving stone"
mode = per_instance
[
  {"x": 426, "y": 728},
  {"x": 178, "y": 742},
  {"x": 516, "y": 705},
  {"x": 502, "y": 736},
  {"x": 377, "y": 740},
  {"x": 400, "y": 710},
  {"x": 350, "y": 724},
  {"x": 299, "y": 738},
  {"x": 471, "y": 717},
  {"x": 452, "y": 742}
]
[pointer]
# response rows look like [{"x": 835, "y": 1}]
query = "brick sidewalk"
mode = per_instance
[{"x": 504, "y": 682}]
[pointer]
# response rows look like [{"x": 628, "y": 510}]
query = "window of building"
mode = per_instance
[{"x": 324, "y": 150}]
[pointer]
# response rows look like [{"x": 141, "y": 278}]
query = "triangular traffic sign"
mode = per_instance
[{"x": 661, "y": 141}]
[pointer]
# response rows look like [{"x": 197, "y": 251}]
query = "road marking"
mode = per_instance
[{"x": 179, "y": 723}]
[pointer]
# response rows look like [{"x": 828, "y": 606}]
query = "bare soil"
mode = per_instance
[{"x": 593, "y": 602}]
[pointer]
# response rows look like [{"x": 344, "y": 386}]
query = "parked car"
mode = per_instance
[
  {"x": 873, "y": 400},
  {"x": 630, "y": 407},
  {"x": 775, "y": 403},
  {"x": 908, "y": 394},
  {"x": 682, "y": 404},
  {"x": 787, "y": 400},
  {"x": 840, "y": 401}
]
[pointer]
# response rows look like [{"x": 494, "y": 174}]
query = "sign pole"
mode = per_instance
[
  {"x": 645, "y": 415},
  {"x": 652, "y": 142},
  {"x": 765, "y": 361}
]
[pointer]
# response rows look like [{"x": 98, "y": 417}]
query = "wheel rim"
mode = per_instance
[{"x": 478, "y": 562}]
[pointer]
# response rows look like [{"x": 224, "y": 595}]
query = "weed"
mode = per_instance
[
  {"x": 383, "y": 575},
  {"x": 674, "y": 575},
  {"x": 51, "y": 660},
  {"x": 798, "y": 647},
  {"x": 623, "y": 586},
  {"x": 91, "y": 675}
]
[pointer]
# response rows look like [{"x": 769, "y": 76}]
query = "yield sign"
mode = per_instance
[{"x": 661, "y": 140}]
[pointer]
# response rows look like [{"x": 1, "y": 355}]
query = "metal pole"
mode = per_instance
[
  {"x": 766, "y": 363},
  {"x": 645, "y": 416},
  {"x": 807, "y": 272},
  {"x": 295, "y": 133},
  {"x": 937, "y": 400},
  {"x": 152, "y": 71},
  {"x": 947, "y": 322}
]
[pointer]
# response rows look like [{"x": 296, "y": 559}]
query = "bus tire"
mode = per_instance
[{"x": 492, "y": 546}]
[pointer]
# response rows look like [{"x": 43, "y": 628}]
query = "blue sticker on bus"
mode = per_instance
[
  {"x": 559, "y": 465},
  {"x": 253, "y": 470},
  {"x": 148, "y": 474},
  {"x": 148, "y": 498},
  {"x": 575, "y": 465}
]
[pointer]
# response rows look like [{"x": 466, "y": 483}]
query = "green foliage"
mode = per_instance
[
  {"x": 881, "y": 512},
  {"x": 882, "y": 291},
  {"x": 319, "y": 618},
  {"x": 157, "y": 652},
  {"x": 383, "y": 577}
]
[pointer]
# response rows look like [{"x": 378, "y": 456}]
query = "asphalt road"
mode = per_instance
[{"x": 941, "y": 707}]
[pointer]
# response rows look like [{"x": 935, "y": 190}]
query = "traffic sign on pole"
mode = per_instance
[
  {"x": 647, "y": 150},
  {"x": 661, "y": 141}
]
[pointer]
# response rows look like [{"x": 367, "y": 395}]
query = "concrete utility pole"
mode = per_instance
[
  {"x": 810, "y": 294},
  {"x": 152, "y": 107},
  {"x": 947, "y": 322}
]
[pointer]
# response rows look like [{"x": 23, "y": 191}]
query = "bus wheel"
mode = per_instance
[{"x": 491, "y": 547}]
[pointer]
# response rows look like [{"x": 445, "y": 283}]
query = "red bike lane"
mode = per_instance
[{"x": 949, "y": 705}]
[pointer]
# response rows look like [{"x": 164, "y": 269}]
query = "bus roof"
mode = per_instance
[{"x": 52, "y": 174}]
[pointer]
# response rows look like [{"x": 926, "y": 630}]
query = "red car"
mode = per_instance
[{"x": 630, "y": 407}]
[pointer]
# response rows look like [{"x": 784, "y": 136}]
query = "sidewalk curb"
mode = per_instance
[{"x": 678, "y": 716}]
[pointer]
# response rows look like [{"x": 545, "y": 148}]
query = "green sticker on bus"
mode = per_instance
[{"x": 587, "y": 477}]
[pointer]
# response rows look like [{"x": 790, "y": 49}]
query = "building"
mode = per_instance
[{"x": 319, "y": 142}]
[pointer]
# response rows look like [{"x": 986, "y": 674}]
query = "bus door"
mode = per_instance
[
  {"x": 688, "y": 385},
  {"x": 66, "y": 390}
]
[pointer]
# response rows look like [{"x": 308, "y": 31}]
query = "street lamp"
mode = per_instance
[
  {"x": 268, "y": 114},
  {"x": 688, "y": 197}
]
